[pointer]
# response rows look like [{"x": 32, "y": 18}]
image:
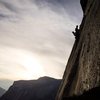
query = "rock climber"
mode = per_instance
[{"x": 76, "y": 33}]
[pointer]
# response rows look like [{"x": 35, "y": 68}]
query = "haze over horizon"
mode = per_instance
[{"x": 36, "y": 38}]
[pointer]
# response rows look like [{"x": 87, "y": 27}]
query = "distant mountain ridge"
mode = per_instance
[
  {"x": 2, "y": 91},
  {"x": 45, "y": 88}
]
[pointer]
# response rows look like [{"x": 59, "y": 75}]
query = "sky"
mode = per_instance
[{"x": 36, "y": 38}]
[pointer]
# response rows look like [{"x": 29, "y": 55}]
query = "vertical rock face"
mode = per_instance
[{"x": 83, "y": 69}]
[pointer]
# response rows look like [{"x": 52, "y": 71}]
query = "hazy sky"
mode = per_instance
[{"x": 36, "y": 38}]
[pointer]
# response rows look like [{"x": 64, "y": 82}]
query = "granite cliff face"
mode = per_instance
[
  {"x": 92, "y": 94},
  {"x": 83, "y": 69}
]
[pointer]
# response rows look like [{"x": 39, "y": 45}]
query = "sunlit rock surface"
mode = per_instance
[{"x": 83, "y": 69}]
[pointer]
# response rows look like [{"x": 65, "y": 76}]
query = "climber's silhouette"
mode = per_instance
[{"x": 76, "y": 33}]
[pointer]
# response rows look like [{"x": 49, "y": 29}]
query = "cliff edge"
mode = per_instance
[{"x": 82, "y": 72}]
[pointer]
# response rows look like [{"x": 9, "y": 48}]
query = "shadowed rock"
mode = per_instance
[{"x": 42, "y": 89}]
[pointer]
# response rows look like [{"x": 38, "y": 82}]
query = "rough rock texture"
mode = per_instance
[
  {"x": 92, "y": 94},
  {"x": 83, "y": 69}
]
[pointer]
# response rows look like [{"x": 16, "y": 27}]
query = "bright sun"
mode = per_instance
[
  {"x": 32, "y": 65},
  {"x": 21, "y": 64}
]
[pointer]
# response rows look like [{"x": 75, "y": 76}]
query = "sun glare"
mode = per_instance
[
  {"x": 21, "y": 64},
  {"x": 33, "y": 67}
]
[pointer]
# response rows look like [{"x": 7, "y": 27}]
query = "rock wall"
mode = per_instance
[{"x": 83, "y": 68}]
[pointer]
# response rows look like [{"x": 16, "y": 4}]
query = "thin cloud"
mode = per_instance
[
  {"x": 8, "y": 6},
  {"x": 40, "y": 27}
]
